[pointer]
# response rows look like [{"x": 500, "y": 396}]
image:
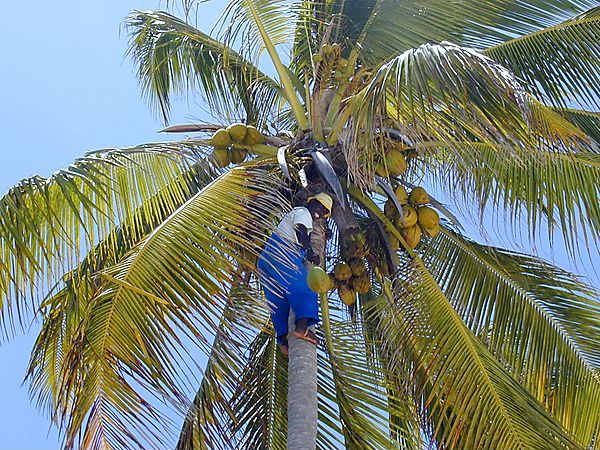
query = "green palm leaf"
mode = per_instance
[
  {"x": 384, "y": 28},
  {"x": 541, "y": 321},
  {"x": 557, "y": 189},
  {"x": 124, "y": 329},
  {"x": 213, "y": 417},
  {"x": 48, "y": 224},
  {"x": 587, "y": 121},
  {"x": 560, "y": 64},
  {"x": 174, "y": 57},
  {"x": 490, "y": 409}
]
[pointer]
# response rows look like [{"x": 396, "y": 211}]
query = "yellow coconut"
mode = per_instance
[
  {"x": 357, "y": 266},
  {"x": 220, "y": 138},
  {"x": 347, "y": 295},
  {"x": 401, "y": 195},
  {"x": 433, "y": 231},
  {"x": 361, "y": 284},
  {"x": 418, "y": 196},
  {"x": 412, "y": 235},
  {"x": 317, "y": 57},
  {"x": 428, "y": 217},
  {"x": 342, "y": 271},
  {"x": 410, "y": 217},
  {"x": 331, "y": 282},
  {"x": 237, "y": 132},
  {"x": 221, "y": 156},
  {"x": 238, "y": 155},
  {"x": 396, "y": 163},
  {"x": 381, "y": 171},
  {"x": 318, "y": 280},
  {"x": 253, "y": 136}
]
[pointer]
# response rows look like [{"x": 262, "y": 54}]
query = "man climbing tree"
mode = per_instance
[{"x": 283, "y": 272}]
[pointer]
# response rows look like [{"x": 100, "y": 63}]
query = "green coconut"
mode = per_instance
[
  {"x": 412, "y": 235},
  {"x": 401, "y": 195},
  {"x": 318, "y": 280},
  {"x": 428, "y": 217},
  {"x": 253, "y": 136},
  {"x": 342, "y": 271},
  {"x": 396, "y": 162},
  {"x": 410, "y": 217},
  {"x": 220, "y": 138},
  {"x": 347, "y": 295},
  {"x": 418, "y": 196},
  {"x": 317, "y": 57},
  {"x": 433, "y": 231},
  {"x": 221, "y": 156},
  {"x": 361, "y": 284},
  {"x": 237, "y": 132},
  {"x": 357, "y": 266},
  {"x": 238, "y": 155}
]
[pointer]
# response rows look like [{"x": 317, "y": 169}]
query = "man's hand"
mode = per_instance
[{"x": 313, "y": 257}]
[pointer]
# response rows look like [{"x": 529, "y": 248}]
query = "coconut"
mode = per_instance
[
  {"x": 380, "y": 170},
  {"x": 396, "y": 163},
  {"x": 410, "y": 217},
  {"x": 428, "y": 217},
  {"x": 331, "y": 282},
  {"x": 412, "y": 235},
  {"x": 317, "y": 57},
  {"x": 433, "y": 231},
  {"x": 238, "y": 155},
  {"x": 342, "y": 271},
  {"x": 221, "y": 156},
  {"x": 318, "y": 280},
  {"x": 237, "y": 132},
  {"x": 361, "y": 284},
  {"x": 347, "y": 295},
  {"x": 253, "y": 136},
  {"x": 401, "y": 195},
  {"x": 357, "y": 266},
  {"x": 220, "y": 138},
  {"x": 418, "y": 196}
]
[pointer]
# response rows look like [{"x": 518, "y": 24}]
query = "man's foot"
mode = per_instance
[{"x": 303, "y": 332}]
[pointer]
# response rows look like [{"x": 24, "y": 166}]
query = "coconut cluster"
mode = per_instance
[
  {"x": 228, "y": 142},
  {"x": 393, "y": 164},
  {"x": 418, "y": 218},
  {"x": 330, "y": 55}
]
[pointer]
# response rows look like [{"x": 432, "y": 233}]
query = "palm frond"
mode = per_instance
[
  {"x": 384, "y": 28},
  {"x": 213, "y": 417},
  {"x": 539, "y": 320},
  {"x": 174, "y": 57},
  {"x": 560, "y": 64},
  {"x": 64, "y": 307},
  {"x": 553, "y": 189},
  {"x": 265, "y": 25},
  {"x": 168, "y": 287},
  {"x": 372, "y": 414},
  {"x": 587, "y": 121},
  {"x": 47, "y": 225},
  {"x": 471, "y": 393},
  {"x": 448, "y": 93}
]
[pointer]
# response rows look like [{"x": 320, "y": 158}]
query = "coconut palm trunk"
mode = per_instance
[{"x": 302, "y": 374}]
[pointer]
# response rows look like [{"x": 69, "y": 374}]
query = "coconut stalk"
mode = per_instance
[{"x": 302, "y": 372}]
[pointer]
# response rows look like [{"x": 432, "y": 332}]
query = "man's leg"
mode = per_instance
[{"x": 305, "y": 304}]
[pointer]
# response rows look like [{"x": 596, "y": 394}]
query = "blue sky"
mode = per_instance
[{"x": 66, "y": 89}]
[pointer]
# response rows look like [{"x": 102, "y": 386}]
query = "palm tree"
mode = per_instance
[{"x": 138, "y": 261}]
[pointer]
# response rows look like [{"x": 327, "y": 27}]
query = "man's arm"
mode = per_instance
[{"x": 304, "y": 239}]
